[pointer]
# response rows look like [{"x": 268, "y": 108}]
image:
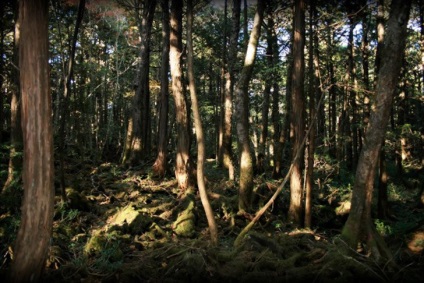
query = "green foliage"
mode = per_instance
[{"x": 383, "y": 228}]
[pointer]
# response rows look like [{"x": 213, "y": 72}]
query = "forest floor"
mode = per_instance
[{"x": 119, "y": 225}]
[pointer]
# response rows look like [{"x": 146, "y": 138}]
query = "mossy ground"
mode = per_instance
[{"x": 122, "y": 225}]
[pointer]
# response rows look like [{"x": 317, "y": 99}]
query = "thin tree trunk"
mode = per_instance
[
  {"x": 311, "y": 145},
  {"x": 183, "y": 162},
  {"x": 160, "y": 165},
  {"x": 35, "y": 231},
  {"x": 382, "y": 204},
  {"x": 242, "y": 113},
  {"x": 275, "y": 115},
  {"x": 65, "y": 99},
  {"x": 366, "y": 79},
  {"x": 224, "y": 92},
  {"x": 295, "y": 213},
  {"x": 262, "y": 155},
  {"x": 359, "y": 226},
  {"x": 332, "y": 94},
  {"x": 199, "y": 130}
]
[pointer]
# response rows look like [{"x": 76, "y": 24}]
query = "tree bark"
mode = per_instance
[
  {"x": 141, "y": 121},
  {"x": 199, "y": 129},
  {"x": 332, "y": 93},
  {"x": 359, "y": 226},
  {"x": 275, "y": 114},
  {"x": 183, "y": 162},
  {"x": 309, "y": 183},
  {"x": 160, "y": 165},
  {"x": 229, "y": 90},
  {"x": 37, "y": 210},
  {"x": 242, "y": 113},
  {"x": 295, "y": 213}
]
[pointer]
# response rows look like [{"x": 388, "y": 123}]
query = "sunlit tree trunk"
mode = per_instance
[
  {"x": 229, "y": 90},
  {"x": 183, "y": 162},
  {"x": 15, "y": 159},
  {"x": 359, "y": 226},
  {"x": 297, "y": 120},
  {"x": 160, "y": 165},
  {"x": 199, "y": 129},
  {"x": 34, "y": 234},
  {"x": 242, "y": 113}
]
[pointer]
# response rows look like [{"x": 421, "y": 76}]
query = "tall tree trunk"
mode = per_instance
[
  {"x": 141, "y": 121},
  {"x": 35, "y": 230},
  {"x": 295, "y": 213},
  {"x": 366, "y": 79},
  {"x": 309, "y": 183},
  {"x": 223, "y": 92},
  {"x": 319, "y": 89},
  {"x": 160, "y": 165},
  {"x": 229, "y": 89},
  {"x": 275, "y": 114},
  {"x": 359, "y": 226},
  {"x": 199, "y": 129},
  {"x": 15, "y": 159},
  {"x": 262, "y": 155},
  {"x": 183, "y": 162},
  {"x": 332, "y": 95},
  {"x": 242, "y": 113},
  {"x": 65, "y": 98},
  {"x": 382, "y": 202}
]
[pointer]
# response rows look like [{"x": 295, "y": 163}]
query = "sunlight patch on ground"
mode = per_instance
[{"x": 416, "y": 243}]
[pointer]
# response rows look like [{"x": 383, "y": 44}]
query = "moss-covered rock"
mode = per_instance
[{"x": 185, "y": 224}]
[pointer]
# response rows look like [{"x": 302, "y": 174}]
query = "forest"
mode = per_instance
[{"x": 212, "y": 141}]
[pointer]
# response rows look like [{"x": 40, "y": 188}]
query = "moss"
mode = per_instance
[
  {"x": 185, "y": 223},
  {"x": 95, "y": 243}
]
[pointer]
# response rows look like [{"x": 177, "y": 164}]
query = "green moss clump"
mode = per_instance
[{"x": 185, "y": 224}]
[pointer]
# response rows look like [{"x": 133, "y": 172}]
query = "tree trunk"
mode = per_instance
[
  {"x": 242, "y": 113},
  {"x": 199, "y": 129},
  {"x": 141, "y": 121},
  {"x": 382, "y": 203},
  {"x": 359, "y": 226},
  {"x": 223, "y": 90},
  {"x": 275, "y": 115},
  {"x": 65, "y": 98},
  {"x": 332, "y": 94},
  {"x": 182, "y": 167},
  {"x": 295, "y": 213},
  {"x": 229, "y": 90},
  {"x": 365, "y": 71},
  {"x": 160, "y": 165},
  {"x": 309, "y": 183},
  {"x": 34, "y": 234}
]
